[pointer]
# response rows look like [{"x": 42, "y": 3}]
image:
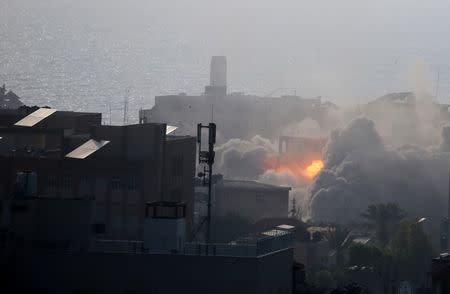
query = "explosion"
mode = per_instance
[
  {"x": 314, "y": 168},
  {"x": 302, "y": 169}
]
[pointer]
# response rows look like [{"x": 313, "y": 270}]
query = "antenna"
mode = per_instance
[
  {"x": 110, "y": 114},
  {"x": 125, "y": 107},
  {"x": 207, "y": 157}
]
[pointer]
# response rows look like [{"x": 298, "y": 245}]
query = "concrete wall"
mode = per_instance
[
  {"x": 265, "y": 116},
  {"x": 53, "y": 220},
  {"x": 253, "y": 204},
  {"x": 180, "y": 162},
  {"x": 127, "y": 273}
]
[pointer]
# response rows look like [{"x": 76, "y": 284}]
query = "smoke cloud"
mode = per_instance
[
  {"x": 244, "y": 159},
  {"x": 359, "y": 171}
]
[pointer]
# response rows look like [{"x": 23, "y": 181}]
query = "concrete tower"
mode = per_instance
[{"x": 218, "y": 77}]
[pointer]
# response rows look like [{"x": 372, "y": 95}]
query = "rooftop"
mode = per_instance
[{"x": 250, "y": 185}]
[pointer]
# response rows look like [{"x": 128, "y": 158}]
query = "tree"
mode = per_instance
[
  {"x": 360, "y": 254},
  {"x": 350, "y": 289},
  {"x": 325, "y": 280},
  {"x": 336, "y": 237},
  {"x": 384, "y": 219},
  {"x": 412, "y": 250}
]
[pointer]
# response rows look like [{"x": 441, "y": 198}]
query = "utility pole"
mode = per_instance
[{"x": 207, "y": 157}]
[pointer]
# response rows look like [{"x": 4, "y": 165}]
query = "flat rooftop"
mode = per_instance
[{"x": 250, "y": 185}]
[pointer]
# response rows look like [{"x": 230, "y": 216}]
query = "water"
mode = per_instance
[{"x": 83, "y": 55}]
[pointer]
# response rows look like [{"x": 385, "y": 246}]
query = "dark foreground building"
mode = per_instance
[
  {"x": 440, "y": 274},
  {"x": 71, "y": 260},
  {"x": 70, "y": 155}
]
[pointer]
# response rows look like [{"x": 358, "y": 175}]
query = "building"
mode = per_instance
[
  {"x": 9, "y": 100},
  {"x": 308, "y": 147},
  {"x": 162, "y": 263},
  {"x": 398, "y": 115},
  {"x": 440, "y": 274},
  {"x": 72, "y": 156},
  {"x": 250, "y": 199},
  {"x": 239, "y": 115}
]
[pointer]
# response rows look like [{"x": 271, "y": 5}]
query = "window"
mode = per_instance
[
  {"x": 19, "y": 208},
  {"x": 132, "y": 183},
  {"x": 99, "y": 228},
  {"x": 52, "y": 183},
  {"x": 85, "y": 186},
  {"x": 115, "y": 184},
  {"x": 67, "y": 183}
]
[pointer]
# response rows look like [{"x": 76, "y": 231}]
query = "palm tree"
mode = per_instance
[
  {"x": 384, "y": 219},
  {"x": 336, "y": 237}
]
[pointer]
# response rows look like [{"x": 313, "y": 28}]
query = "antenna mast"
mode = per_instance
[
  {"x": 125, "y": 107},
  {"x": 207, "y": 157}
]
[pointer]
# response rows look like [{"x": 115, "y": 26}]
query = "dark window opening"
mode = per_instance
[
  {"x": 19, "y": 208},
  {"x": 99, "y": 228},
  {"x": 115, "y": 184}
]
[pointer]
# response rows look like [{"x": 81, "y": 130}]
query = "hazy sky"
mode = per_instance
[{"x": 347, "y": 51}]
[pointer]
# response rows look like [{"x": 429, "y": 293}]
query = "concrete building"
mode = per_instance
[
  {"x": 140, "y": 163},
  {"x": 308, "y": 147},
  {"x": 239, "y": 115},
  {"x": 260, "y": 264},
  {"x": 250, "y": 199},
  {"x": 440, "y": 274},
  {"x": 60, "y": 222}
]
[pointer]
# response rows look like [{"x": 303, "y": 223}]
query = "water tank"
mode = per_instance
[{"x": 165, "y": 227}]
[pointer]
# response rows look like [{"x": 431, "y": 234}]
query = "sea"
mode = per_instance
[{"x": 94, "y": 55}]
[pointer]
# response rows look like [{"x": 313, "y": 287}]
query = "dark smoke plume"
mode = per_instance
[{"x": 359, "y": 170}]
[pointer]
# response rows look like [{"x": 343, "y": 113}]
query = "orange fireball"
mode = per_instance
[
  {"x": 313, "y": 169},
  {"x": 302, "y": 169}
]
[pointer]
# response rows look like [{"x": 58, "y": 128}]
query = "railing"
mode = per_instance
[
  {"x": 238, "y": 250},
  {"x": 248, "y": 248}
]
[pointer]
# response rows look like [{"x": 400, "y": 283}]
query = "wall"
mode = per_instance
[
  {"x": 180, "y": 162},
  {"x": 252, "y": 115},
  {"x": 253, "y": 204},
  {"x": 128, "y": 273}
]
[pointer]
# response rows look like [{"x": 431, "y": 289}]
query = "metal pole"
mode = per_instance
[{"x": 208, "y": 220}]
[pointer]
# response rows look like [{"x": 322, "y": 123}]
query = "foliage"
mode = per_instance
[
  {"x": 336, "y": 237},
  {"x": 412, "y": 248},
  {"x": 350, "y": 289},
  {"x": 384, "y": 218},
  {"x": 409, "y": 256},
  {"x": 325, "y": 279},
  {"x": 365, "y": 255}
]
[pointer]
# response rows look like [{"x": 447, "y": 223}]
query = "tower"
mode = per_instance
[{"x": 217, "y": 77}]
